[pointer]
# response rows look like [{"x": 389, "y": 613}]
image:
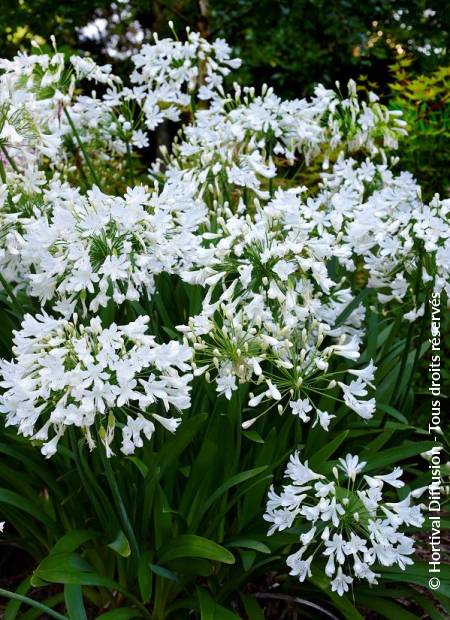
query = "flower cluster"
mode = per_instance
[
  {"x": 387, "y": 230},
  {"x": 240, "y": 138},
  {"x": 276, "y": 320},
  {"x": 348, "y": 525},
  {"x": 94, "y": 378},
  {"x": 34, "y": 89},
  {"x": 169, "y": 72},
  {"x": 277, "y": 304},
  {"x": 278, "y": 220},
  {"x": 97, "y": 247}
]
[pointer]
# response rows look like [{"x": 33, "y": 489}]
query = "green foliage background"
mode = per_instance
[
  {"x": 399, "y": 48},
  {"x": 292, "y": 43}
]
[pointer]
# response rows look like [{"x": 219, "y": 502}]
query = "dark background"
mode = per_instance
[
  {"x": 396, "y": 47},
  {"x": 290, "y": 44}
]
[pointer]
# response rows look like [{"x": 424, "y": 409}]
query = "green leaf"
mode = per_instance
[
  {"x": 174, "y": 335},
  {"x": 253, "y": 436},
  {"x": 120, "y": 545},
  {"x": 399, "y": 453},
  {"x": 419, "y": 574},
  {"x": 125, "y": 613},
  {"x": 322, "y": 455},
  {"x": 179, "y": 442},
  {"x": 429, "y": 606},
  {"x": 141, "y": 466},
  {"x": 190, "y": 545},
  {"x": 145, "y": 577},
  {"x": 163, "y": 572},
  {"x": 374, "y": 446},
  {"x": 248, "y": 543},
  {"x": 71, "y": 541},
  {"x": 209, "y": 610},
  {"x": 393, "y": 412},
  {"x": 231, "y": 482},
  {"x": 42, "y": 607},
  {"x": 252, "y": 607},
  {"x": 71, "y": 568},
  {"x": 386, "y": 608},
  {"x": 61, "y": 568},
  {"x": 248, "y": 559},
  {"x": 73, "y": 596},
  {"x": 197, "y": 567},
  {"x": 32, "y": 508}
]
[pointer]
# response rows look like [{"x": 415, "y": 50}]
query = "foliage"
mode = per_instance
[
  {"x": 313, "y": 40},
  {"x": 425, "y": 103}
]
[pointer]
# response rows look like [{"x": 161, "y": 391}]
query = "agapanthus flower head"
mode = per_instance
[
  {"x": 169, "y": 72},
  {"x": 243, "y": 136},
  {"x": 88, "y": 249},
  {"x": 36, "y": 88},
  {"x": 275, "y": 322},
  {"x": 351, "y": 527},
  {"x": 66, "y": 374},
  {"x": 385, "y": 230}
]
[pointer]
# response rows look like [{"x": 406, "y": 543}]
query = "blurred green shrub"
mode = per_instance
[{"x": 425, "y": 102}]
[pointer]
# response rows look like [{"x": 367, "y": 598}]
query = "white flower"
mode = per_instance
[
  {"x": 307, "y": 538},
  {"x": 301, "y": 407},
  {"x": 324, "y": 418},
  {"x": 351, "y": 466},
  {"x": 101, "y": 247},
  {"x": 392, "y": 478},
  {"x": 351, "y": 529},
  {"x": 341, "y": 582},
  {"x": 367, "y": 374},
  {"x": 299, "y": 472},
  {"x": 335, "y": 547},
  {"x": 300, "y": 568},
  {"x": 404, "y": 513},
  {"x": 349, "y": 349},
  {"x": 362, "y": 571},
  {"x": 283, "y": 269},
  {"x": 226, "y": 385}
]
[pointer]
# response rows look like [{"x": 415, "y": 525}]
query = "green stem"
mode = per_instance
[
  {"x": 87, "y": 159},
  {"x": 2, "y": 172},
  {"x": 9, "y": 158},
  {"x": 120, "y": 505},
  {"x": 416, "y": 356},
  {"x": 31, "y": 603},
  {"x": 12, "y": 296},
  {"x": 84, "y": 479},
  {"x": 409, "y": 334},
  {"x": 193, "y": 106},
  {"x": 130, "y": 163},
  {"x": 80, "y": 168}
]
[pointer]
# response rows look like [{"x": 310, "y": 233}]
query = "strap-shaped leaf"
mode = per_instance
[
  {"x": 73, "y": 596},
  {"x": 190, "y": 545}
]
